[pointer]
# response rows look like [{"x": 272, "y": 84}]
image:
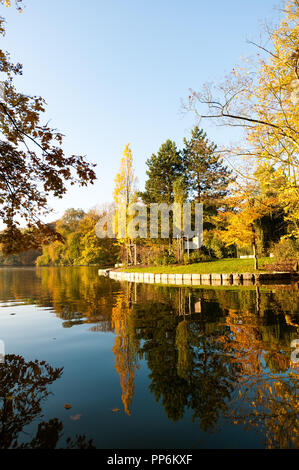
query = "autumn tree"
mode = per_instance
[
  {"x": 80, "y": 246},
  {"x": 94, "y": 250},
  {"x": 125, "y": 181},
  {"x": 241, "y": 228},
  {"x": 125, "y": 192},
  {"x": 256, "y": 217},
  {"x": 274, "y": 222},
  {"x": 71, "y": 219},
  {"x": 262, "y": 99},
  {"x": 33, "y": 165}
]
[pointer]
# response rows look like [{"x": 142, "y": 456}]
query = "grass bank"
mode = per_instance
[{"x": 227, "y": 265}]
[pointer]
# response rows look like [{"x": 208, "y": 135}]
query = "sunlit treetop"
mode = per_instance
[{"x": 8, "y": 3}]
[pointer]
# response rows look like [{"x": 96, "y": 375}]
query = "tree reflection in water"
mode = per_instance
[
  {"x": 217, "y": 353},
  {"x": 124, "y": 349},
  {"x": 266, "y": 394},
  {"x": 23, "y": 389}
]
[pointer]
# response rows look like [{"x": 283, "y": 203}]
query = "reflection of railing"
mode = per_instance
[
  {"x": 132, "y": 297},
  {"x": 185, "y": 305}
]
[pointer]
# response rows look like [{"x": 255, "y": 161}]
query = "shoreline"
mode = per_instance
[{"x": 212, "y": 279}]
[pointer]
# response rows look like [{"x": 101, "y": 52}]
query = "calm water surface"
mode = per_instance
[{"x": 145, "y": 366}]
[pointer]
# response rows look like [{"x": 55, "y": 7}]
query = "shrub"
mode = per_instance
[
  {"x": 166, "y": 258},
  {"x": 286, "y": 249},
  {"x": 214, "y": 246},
  {"x": 197, "y": 256},
  {"x": 186, "y": 259}
]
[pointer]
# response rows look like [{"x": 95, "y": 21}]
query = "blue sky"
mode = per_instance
[{"x": 115, "y": 71}]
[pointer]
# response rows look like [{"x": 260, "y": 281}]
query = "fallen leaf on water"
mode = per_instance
[
  {"x": 75, "y": 417},
  {"x": 67, "y": 406},
  {"x": 115, "y": 410}
]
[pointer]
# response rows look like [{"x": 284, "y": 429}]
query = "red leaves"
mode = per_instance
[
  {"x": 28, "y": 177},
  {"x": 16, "y": 240}
]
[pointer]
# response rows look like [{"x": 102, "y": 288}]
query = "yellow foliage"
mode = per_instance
[
  {"x": 275, "y": 101},
  {"x": 263, "y": 98},
  {"x": 124, "y": 351},
  {"x": 124, "y": 191},
  {"x": 7, "y": 3}
]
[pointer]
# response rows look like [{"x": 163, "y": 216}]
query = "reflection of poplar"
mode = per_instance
[
  {"x": 125, "y": 351},
  {"x": 185, "y": 362}
]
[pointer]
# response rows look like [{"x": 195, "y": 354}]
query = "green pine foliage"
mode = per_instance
[
  {"x": 163, "y": 169},
  {"x": 208, "y": 177}
]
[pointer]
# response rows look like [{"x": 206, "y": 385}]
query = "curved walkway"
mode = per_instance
[{"x": 245, "y": 279}]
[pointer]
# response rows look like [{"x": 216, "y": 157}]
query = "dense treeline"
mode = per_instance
[
  {"x": 80, "y": 244},
  {"x": 233, "y": 222},
  {"x": 26, "y": 258}
]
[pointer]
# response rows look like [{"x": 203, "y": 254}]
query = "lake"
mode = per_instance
[{"x": 91, "y": 362}]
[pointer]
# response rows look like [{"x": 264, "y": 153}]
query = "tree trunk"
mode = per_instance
[{"x": 255, "y": 256}]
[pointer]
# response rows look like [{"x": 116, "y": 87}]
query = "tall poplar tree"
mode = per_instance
[
  {"x": 125, "y": 181},
  {"x": 124, "y": 193}
]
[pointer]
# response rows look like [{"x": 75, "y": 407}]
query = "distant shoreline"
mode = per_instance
[{"x": 50, "y": 266}]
